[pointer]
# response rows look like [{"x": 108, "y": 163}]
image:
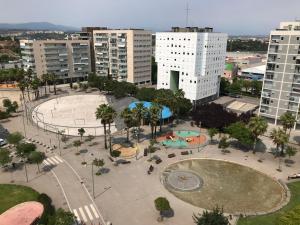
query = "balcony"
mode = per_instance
[
  {"x": 270, "y": 67},
  {"x": 273, "y": 49}
]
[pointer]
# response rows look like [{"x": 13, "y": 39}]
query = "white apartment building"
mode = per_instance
[
  {"x": 281, "y": 84},
  {"x": 67, "y": 59},
  {"x": 125, "y": 55},
  {"x": 191, "y": 59}
]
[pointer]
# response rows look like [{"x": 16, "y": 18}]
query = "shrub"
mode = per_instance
[
  {"x": 115, "y": 153},
  {"x": 49, "y": 209}
]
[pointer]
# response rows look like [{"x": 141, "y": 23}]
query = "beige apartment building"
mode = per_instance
[
  {"x": 125, "y": 55},
  {"x": 67, "y": 59}
]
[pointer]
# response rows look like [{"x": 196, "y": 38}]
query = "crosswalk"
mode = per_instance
[
  {"x": 85, "y": 213},
  {"x": 54, "y": 160}
]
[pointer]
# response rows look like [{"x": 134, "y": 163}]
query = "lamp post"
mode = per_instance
[{"x": 93, "y": 180}]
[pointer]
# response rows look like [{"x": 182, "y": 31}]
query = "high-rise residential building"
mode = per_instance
[
  {"x": 124, "y": 55},
  {"x": 67, "y": 59},
  {"x": 281, "y": 84},
  {"x": 191, "y": 59},
  {"x": 87, "y": 34}
]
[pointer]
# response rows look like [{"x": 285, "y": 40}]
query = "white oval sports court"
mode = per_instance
[{"x": 70, "y": 113}]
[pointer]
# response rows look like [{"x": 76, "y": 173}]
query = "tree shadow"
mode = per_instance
[
  {"x": 47, "y": 168},
  {"x": 297, "y": 139},
  {"x": 83, "y": 151}
]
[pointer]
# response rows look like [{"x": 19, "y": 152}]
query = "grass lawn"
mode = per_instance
[
  {"x": 11, "y": 195},
  {"x": 272, "y": 218}
]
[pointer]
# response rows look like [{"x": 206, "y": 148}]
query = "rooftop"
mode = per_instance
[
  {"x": 257, "y": 69},
  {"x": 192, "y": 29}
]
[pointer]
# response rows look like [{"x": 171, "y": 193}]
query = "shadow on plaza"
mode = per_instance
[
  {"x": 260, "y": 147},
  {"x": 297, "y": 139}
]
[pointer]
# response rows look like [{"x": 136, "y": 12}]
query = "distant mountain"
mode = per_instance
[{"x": 36, "y": 26}]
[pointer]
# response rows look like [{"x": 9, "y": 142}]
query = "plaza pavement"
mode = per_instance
[{"x": 126, "y": 194}]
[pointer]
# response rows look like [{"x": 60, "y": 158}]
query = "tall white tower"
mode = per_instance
[{"x": 191, "y": 59}]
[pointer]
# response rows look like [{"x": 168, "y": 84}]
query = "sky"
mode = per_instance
[{"x": 235, "y": 17}]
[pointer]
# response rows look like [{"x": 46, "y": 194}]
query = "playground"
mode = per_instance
[
  {"x": 70, "y": 113},
  {"x": 182, "y": 139}
]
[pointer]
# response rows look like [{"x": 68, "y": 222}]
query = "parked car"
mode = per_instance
[{"x": 2, "y": 142}]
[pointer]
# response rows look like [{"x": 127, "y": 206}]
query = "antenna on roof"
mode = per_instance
[{"x": 187, "y": 14}]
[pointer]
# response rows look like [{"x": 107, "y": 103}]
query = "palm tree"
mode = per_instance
[
  {"x": 35, "y": 84},
  {"x": 280, "y": 138},
  {"x": 22, "y": 87},
  {"x": 258, "y": 126},
  {"x": 28, "y": 81},
  {"x": 77, "y": 144},
  {"x": 154, "y": 114},
  {"x": 139, "y": 113},
  {"x": 128, "y": 118},
  {"x": 52, "y": 78},
  {"x": 45, "y": 79},
  {"x": 179, "y": 94},
  {"x": 288, "y": 121},
  {"x": 107, "y": 116},
  {"x": 37, "y": 157},
  {"x": 81, "y": 132},
  {"x": 212, "y": 132}
]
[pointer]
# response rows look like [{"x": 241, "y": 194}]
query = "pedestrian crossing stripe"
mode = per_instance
[
  {"x": 82, "y": 214},
  {"x": 86, "y": 212},
  {"x": 55, "y": 160}
]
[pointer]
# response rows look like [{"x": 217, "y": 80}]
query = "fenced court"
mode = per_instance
[{"x": 70, "y": 113}]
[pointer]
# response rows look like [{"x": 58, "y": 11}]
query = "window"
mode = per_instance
[
  {"x": 277, "y": 66},
  {"x": 282, "y": 38},
  {"x": 298, "y": 38},
  {"x": 294, "y": 58}
]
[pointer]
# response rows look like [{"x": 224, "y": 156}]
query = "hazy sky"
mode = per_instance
[{"x": 230, "y": 16}]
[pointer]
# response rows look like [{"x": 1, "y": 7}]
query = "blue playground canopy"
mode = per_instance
[{"x": 166, "y": 112}]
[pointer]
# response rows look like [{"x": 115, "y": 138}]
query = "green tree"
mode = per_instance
[
  {"x": 107, "y": 115},
  {"x": 22, "y": 86},
  {"x": 215, "y": 217},
  {"x": 162, "y": 204},
  {"x": 258, "y": 126},
  {"x": 45, "y": 79},
  {"x": 256, "y": 87},
  {"x": 224, "y": 85},
  {"x": 139, "y": 113},
  {"x": 223, "y": 144},
  {"x": 212, "y": 132},
  {"x": 24, "y": 149},
  {"x": 280, "y": 138},
  {"x": 99, "y": 163},
  {"x": 81, "y": 132},
  {"x": 4, "y": 156},
  {"x": 10, "y": 106},
  {"x": 235, "y": 88},
  {"x": 14, "y": 138},
  {"x": 35, "y": 85},
  {"x": 240, "y": 132},
  {"x": 129, "y": 120},
  {"x": 63, "y": 217},
  {"x": 153, "y": 71},
  {"x": 37, "y": 157},
  {"x": 288, "y": 121},
  {"x": 154, "y": 117},
  {"x": 53, "y": 79},
  {"x": 247, "y": 85},
  {"x": 77, "y": 144},
  {"x": 290, "y": 151}
]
